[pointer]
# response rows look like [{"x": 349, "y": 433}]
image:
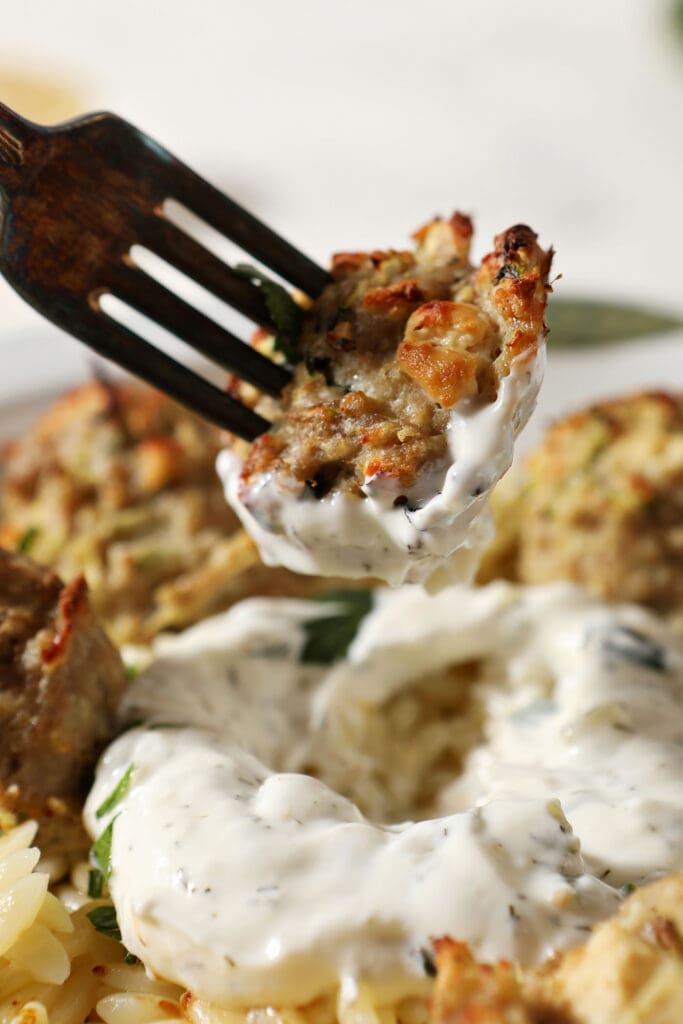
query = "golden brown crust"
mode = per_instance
[
  {"x": 512, "y": 284},
  {"x": 471, "y": 992},
  {"x": 449, "y": 349},
  {"x": 629, "y": 972},
  {"x": 408, "y": 335}
]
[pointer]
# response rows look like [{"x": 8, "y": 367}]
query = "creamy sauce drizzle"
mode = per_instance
[
  {"x": 339, "y": 535},
  {"x": 246, "y": 881}
]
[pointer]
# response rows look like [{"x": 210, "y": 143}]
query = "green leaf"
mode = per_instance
[
  {"x": 104, "y": 919},
  {"x": 589, "y": 322},
  {"x": 286, "y": 315},
  {"x": 101, "y": 850},
  {"x": 28, "y": 539},
  {"x": 289, "y": 351},
  {"x": 329, "y": 637},
  {"x": 106, "y": 922},
  {"x": 677, "y": 19},
  {"x": 117, "y": 794},
  {"x": 95, "y": 883},
  {"x": 132, "y": 672}
]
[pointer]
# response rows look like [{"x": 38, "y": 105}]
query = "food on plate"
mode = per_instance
[
  {"x": 257, "y": 778},
  {"x": 117, "y": 482},
  {"x": 34, "y": 924},
  {"x": 415, "y": 372},
  {"x": 630, "y": 971},
  {"x": 60, "y": 683},
  {"x": 385, "y": 806},
  {"x": 602, "y": 502}
]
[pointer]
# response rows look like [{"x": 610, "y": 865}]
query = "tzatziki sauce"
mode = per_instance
[
  {"x": 239, "y": 876},
  {"x": 442, "y": 528}
]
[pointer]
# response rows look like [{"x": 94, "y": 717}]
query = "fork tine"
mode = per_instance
[
  {"x": 144, "y": 293},
  {"x": 245, "y": 230},
  {"x": 170, "y": 243},
  {"x": 122, "y": 346}
]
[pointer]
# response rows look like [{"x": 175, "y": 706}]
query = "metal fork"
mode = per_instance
[{"x": 76, "y": 197}]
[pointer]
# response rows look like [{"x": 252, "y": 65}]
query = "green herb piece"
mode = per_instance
[
  {"x": 579, "y": 322},
  {"x": 104, "y": 919},
  {"x": 286, "y": 315},
  {"x": 329, "y": 637},
  {"x": 101, "y": 850},
  {"x": 132, "y": 672},
  {"x": 27, "y": 539},
  {"x": 677, "y": 19},
  {"x": 95, "y": 883},
  {"x": 634, "y": 646},
  {"x": 627, "y": 888},
  {"x": 117, "y": 795}
]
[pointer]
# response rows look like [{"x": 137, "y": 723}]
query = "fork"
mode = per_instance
[{"x": 74, "y": 199}]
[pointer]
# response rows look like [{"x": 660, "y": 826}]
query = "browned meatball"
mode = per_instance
[
  {"x": 60, "y": 682},
  {"x": 392, "y": 344},
  {"x": 603, "y": 502}
]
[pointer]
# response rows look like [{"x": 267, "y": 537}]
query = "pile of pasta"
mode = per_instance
[
  {"x": 57, "y": 967},
  {"x": 54, "y": 965}
]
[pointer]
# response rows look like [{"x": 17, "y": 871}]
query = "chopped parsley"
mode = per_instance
[
  {"x": 633, "y": 646},
  {"x": 105, "y": 921},
  {"x": 27, "y": 539},
  {"x": 286, "y": 315},
  {"x": 95, "y": 883},
  {"x": 117, "y": 794},
  {"x": 329, "y": 637},
  {"x": 101, "y": 850},
  {"x": 132, "y": 672}
]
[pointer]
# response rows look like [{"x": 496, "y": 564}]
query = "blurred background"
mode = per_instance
[{"x": 347, "y": 125}]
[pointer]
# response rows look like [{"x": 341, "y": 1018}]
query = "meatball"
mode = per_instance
[
  {"x": 60, "y": 683},
  {"x": 603, "y": 502},
  {"x": 415, "y": 371}
]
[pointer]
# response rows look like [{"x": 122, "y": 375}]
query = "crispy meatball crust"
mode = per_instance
[
  {"x": 60, "y": 683},
  {"x": 603, "y": 502},
  {"x": 390, "y": 347},
  {"x": 629, "y": 972}
]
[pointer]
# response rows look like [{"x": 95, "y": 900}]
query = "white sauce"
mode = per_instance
[
  {"x": 249, "y": 883},
  {"x": 339, "y": 535}
]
